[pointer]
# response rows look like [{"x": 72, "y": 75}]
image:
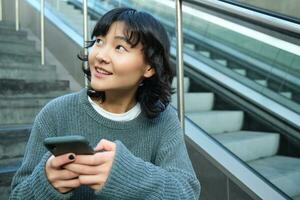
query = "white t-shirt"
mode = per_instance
[{"x": 127, "y": 116}]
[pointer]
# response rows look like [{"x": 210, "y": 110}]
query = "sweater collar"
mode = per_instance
[{"x": 105, "y": 121}]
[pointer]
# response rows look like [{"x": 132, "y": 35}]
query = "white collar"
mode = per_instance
[{"x": 127, "y": 116}]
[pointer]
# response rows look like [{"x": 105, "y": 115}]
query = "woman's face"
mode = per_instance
[{"x": 114, "y": 65}]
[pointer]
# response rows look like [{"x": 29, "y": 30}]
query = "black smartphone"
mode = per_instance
[{"x": 68, "y": 144}]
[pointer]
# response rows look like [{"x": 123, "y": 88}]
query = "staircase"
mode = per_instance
[
  {"x": 259, "y": 149},
  {"x": 25, "y": 87}
]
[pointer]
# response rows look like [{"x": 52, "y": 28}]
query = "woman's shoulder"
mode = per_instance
[{"x": 63, "y": 103}]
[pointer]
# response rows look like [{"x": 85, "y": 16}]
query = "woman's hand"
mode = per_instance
[
  {"x": 94, "y": 169},
  {"x": 61, "y": 179}
]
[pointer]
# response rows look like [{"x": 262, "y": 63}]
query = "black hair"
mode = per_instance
[{"x": 155, "y": 93}]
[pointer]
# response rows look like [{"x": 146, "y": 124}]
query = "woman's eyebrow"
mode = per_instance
[{"x": 123, "y": 38}]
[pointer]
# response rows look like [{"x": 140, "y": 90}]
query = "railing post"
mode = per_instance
[
  {"x": 17, "y": 15},
  {"x": 57, "y": 5},
  {"x": 85, "y": 36},
  {"x": 42, "y": 33},
  {"x": 179, "y": 63},
  {"x": 1, "y": 10}
]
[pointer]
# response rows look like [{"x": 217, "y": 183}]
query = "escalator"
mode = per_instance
[{"x": 244, "y": 99}]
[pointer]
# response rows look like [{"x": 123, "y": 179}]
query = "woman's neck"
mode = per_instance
[{"x": 116, "y": 102}]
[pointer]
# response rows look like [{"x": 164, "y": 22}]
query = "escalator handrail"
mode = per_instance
[
  {"x": 272, "y": 106},
  {"x": 274, "y": 22}
]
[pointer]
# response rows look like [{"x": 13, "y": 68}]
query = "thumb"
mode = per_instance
[
  {"x": 61, "y": 160},
  {"x": 105, "y": 145}
]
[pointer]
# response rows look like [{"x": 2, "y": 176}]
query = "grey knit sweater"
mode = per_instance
[{"x": 151, "y": 160}]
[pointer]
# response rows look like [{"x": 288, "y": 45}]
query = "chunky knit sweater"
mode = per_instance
[{"x": 151, "y": 160}]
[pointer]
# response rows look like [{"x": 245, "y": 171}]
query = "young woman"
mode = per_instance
[{"x": 125, "y": 113}]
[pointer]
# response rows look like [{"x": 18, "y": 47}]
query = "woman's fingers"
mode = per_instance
[
  {"x": 62, "y": 175},
  {"x": 82, "y": 169},
  {"x": 96, "y": 159},
  {"x": 59, "y": 161},
  {"x": 73, "y": 183},
  {"x": 92, "y": 179},
  {"x": 105, "y": 145}
]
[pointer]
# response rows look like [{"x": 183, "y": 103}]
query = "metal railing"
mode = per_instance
[
  {"x": 179, "y": 65},
  {"x": 17, "y": 14},
  {"x": 85, "y": 36},
  {"x": 1, "y": 10},
  {"x": 42, "y": 32},
  {"x": 275, "y": 22}
]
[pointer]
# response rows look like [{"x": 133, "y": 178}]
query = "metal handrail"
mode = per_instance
[
  {"x": 241, "y": 29},
  {"x": 179, "y": 65},
  {"x": 42, "y": 32},
  {"x": 17, "y": 14},
  {"x": 249, "y": 14},
  {"x": 85, "y": 36},
  {"x": 1, "y": 10}
]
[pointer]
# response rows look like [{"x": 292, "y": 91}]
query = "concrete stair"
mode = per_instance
[
  {"x": 13, "y": 86},
  {"x": 25, "y": 87},
  {"x": 27, "y": 71}
]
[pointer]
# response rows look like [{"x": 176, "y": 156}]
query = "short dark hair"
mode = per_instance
[{"x": 155, "y": 93}]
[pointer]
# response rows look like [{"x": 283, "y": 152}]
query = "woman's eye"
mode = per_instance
[
  {"x": 120, "y": 48},
  {"x": 98, "y": 41}
]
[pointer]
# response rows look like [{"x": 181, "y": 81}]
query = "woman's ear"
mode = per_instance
[{"x": 150, "y": 71}]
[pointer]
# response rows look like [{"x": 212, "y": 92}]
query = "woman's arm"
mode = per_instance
[
  {"x": 172, "y": 176},
  {"x": 30, "y": 181}
]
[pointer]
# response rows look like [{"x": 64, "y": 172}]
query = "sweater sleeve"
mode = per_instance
[
  {"x": 30, "y": 181},
  {"x": 171, "y": 177}
]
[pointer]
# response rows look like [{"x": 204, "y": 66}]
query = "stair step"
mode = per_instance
[
  {"x": 13, "y": 141},
  {"x": 20, "y": 57},
  {"x": 221, "y": 61},
  {"x": 196, "y": 102},
  {"x": 7, "y": 32},
  {"x": 26, "y": 71},
  {"x": 14, "y": 86},
  {"x": 205, "y": 53},
  {"x": 12, "y": 41},
  {"x": 6, "y": 175},
  {"x": 7, "y": 24},
  {"x": 186, "y": 83},
  {"x": 17, "y": 103},
  {"x": 17, "y": 48},
  {"x": 217, "y": 122},
  {"x": 25, "y": 115},
  {"x": 250, "y": 145},
  {"x": 282, "y": 171},
  {"x": 240, "y": 71}
]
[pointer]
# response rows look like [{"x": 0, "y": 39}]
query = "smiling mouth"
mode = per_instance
[{"x": 100, "y": 72}]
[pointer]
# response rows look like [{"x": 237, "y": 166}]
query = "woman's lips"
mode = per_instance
[{"x": 100, "y": 72}]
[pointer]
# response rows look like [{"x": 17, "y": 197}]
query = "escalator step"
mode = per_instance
[
  {"x": 216, "y": 122},
  {"x": 196, "y": 102},
  {"x": 282, "y": 171},
  {"x": 250, "y": 145}
]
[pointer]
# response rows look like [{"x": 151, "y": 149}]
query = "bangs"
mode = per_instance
[{"x": 132, "y": 33}]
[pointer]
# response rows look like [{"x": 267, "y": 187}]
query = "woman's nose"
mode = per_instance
[{"x": 102, "y": 55}]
